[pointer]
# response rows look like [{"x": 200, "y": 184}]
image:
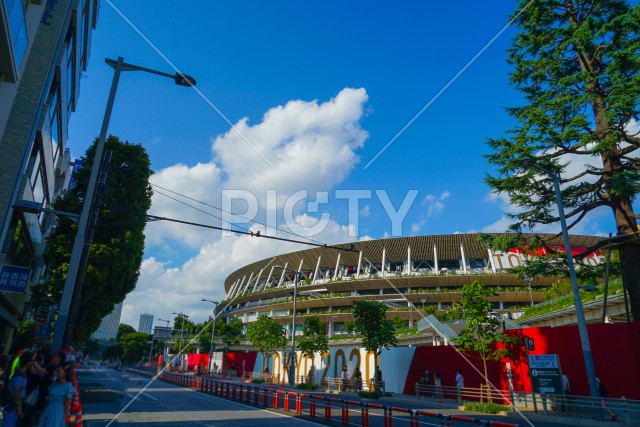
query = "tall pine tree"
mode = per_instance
[{"x": 577, "y": 62}]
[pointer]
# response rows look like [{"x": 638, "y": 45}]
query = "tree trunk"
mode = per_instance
[{"x": 630, "y": 265}]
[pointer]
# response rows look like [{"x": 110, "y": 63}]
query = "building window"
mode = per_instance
[
  {"x": 38, "y": 185},
  {"x": 21, "y": 251},
  {"x": 70, "y": 54},
  {"x": 55, "y": 127},
  {"x": 18, "y": 28}
]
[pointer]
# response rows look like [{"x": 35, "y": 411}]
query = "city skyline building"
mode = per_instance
[
  {"x": 108, "y": 330},
  {"x": 146, "y": 323},
  {"x": 44, "y": 48}
]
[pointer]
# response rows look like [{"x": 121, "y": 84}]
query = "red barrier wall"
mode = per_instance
[
  {"x": 230, "y": 359},
  {"x": 615, "y": 349},
  {"x": 447, "y": 360}
]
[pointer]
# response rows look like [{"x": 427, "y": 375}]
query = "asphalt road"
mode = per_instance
[{"x": 115, "y": 398}]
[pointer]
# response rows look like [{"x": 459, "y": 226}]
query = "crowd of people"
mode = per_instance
[{"x": 37, "y": 389}]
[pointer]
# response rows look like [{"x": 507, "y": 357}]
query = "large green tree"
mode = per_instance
[
  {"x": 266, "y": 335},
  {"x": 482, "y": 334},
  {"x": 377, "y": 331},
  {"x": 314, "y": 337},
  {"x": 577, "y": 63},
  {"x": 116, "y": 250}
]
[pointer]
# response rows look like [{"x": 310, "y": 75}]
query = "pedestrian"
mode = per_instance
[
  {"x": 17, "y": 387},
  {"x": 566, "y": 389},
  {"x": 357, "y": 375},
  {"x": 59, "y": 401},
  {"x": 379, "y": 385},
  {"x": 344, "y": 378},
  {"x": 603, "y": 393},
  {"x": 437, "y": 382},
  {"x": 459, "y": 384},
  {"x": 424, "y": 382}
]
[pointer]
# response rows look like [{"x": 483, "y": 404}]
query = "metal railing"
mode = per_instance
[{"x": 330, "y": 409}]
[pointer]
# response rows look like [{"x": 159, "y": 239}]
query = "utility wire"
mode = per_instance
[
  {"x": 148, "y": 218},
  {"x": 225, "y": 211}
]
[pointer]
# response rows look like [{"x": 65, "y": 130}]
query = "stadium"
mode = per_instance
[{"x": 411, "y": 275}]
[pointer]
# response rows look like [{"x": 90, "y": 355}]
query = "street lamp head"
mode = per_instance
[
  {"x": 527, "y": 162},
  {"x": 184, "y": 80}
]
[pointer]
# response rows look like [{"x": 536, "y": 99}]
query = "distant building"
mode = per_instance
[
  {"x": 145, "y": 324},
  {"x": 108, "y": 330},
  {"x": 44, "y": 48}
]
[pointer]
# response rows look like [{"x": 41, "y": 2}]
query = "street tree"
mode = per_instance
[
  {"x": 314, "y": 337},
  {"x": 133, "y": 346},
  {"x": 482, "y": 337},
  {"x": 266, "y": 335},
  {"x": 577, "y": 63},
  {"x": 115, "y": 253},
  {"x": 378, "y": 332}
]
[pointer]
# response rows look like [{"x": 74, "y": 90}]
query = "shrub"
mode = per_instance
[
  {"x": 304, "y": 386},
  {"x": 257, "y": 380},
  {"x": 484, "y": 407},
  {"x": 371, "y": 394}
]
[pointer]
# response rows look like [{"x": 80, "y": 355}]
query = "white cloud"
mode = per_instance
[
  {"x": 313, "y": 147},
  {"x": 434, "y": 205}
]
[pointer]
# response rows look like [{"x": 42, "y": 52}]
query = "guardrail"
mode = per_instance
[
  {"x": 330, "y": 409},
  {"x": 481, "y": 394},
  {"x": 621, "y": 408}
]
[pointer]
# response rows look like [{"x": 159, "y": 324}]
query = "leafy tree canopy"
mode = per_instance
[
  {"x": 266, "y": 335},
  {"x": 577, "y": 63},
  {"x": 116, "y": 250},
  {"x": 482, "y": 333},
  {"x": 371, "y": 322},
  {"x": 314, "y": 339}
]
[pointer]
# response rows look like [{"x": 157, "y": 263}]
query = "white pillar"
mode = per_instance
[
  {"x": 231, "y": 290},
  {"x": 435, "y": 258},
  {"x": 359, "y": 265},
  {"x": 238, "y": 292},
  {"x": 464, "y": 259},
  {"x": 270, "y": 275},
  {"x": 286, "y": 264},
  {"x": 255, "y": 286},
  {"x": 409, "y": 259},
  {"x": 315, "y": 273},
  {"x": 335, "y": 273},
  {"x": 249, "y": 283},
  {"x": 300, "y": 266},
  {"x": 491, "y": 263},
  {"x": 384, "y": 260}
]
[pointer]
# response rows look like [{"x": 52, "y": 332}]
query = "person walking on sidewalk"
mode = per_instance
[
  {"x": 459, "y": 384},
  {"x": 60, "y": 394},
  {"x": 17, "y": 389},
  {"x": 437, "y": 383},
  {"x": 602, "y": 391}
]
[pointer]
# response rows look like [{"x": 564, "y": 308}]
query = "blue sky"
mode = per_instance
[{"x": 359, "y": 71}]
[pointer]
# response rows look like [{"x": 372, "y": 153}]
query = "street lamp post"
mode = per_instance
[
  {"x": 292, "y": 361},
  {"x": 582, "y": 326},
  {"x": 63, "y": 331},
  {"x": 213, "y": 329},
  {"x": 183, "y": 317},
  {"x": 164, "y": 343}
]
